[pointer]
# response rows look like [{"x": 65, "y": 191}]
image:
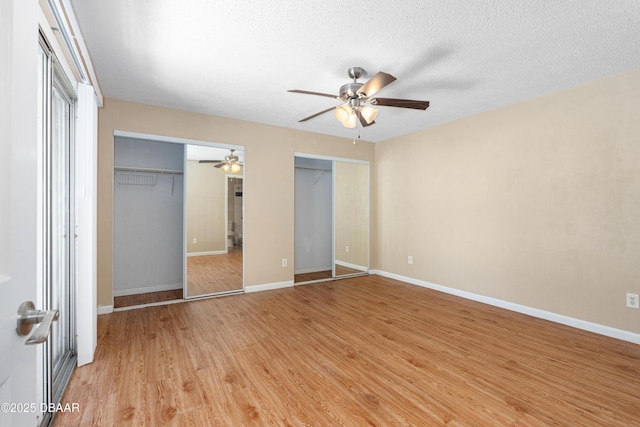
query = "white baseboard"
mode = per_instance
[
  {"x": 535, "y": 312},
  {"x": 146, "y": 289},
  {"x": 353, "y": 266},
  {"x": 105, "y": 309},
  {"x": 268, "y": 286},
  {"x": 222, "y": 252}
]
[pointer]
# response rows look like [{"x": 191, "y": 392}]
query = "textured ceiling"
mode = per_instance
[{"x": 238, "y": 58}]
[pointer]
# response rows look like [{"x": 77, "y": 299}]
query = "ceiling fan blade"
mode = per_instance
[
  {"x": 219, "y": 165},
  {"x": 363, "y": 122},
  {"x": 306, "y": 92},
  {"x": 376, "y": 83},
  {"x": 209, "y": 161},
  {"x": 402, "y": 103},
  {"x": 316, "y": 114}
]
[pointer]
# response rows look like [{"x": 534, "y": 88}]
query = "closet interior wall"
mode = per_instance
[
  {"x": 148, "y": 216},
  {"x": 313, "y": 215}
]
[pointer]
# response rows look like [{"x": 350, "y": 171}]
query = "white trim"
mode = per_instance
[
  {"x": 207, "y": 253},
  {"x": 353, "y": 266},
  {"x": 86, "y": 161},
  {"x": 60, "y": 17},
  {"x": 161, "y": 138},
  {"x": 333, "y": 217},
  {"x": 146, "y": 289},
  {"x": 534, "y": 312},
  {"x": 269, "y": 286},
  {"x": 332, "y": 158},
  {"x": 60, "y": 52},
  {"x": 84, "y": 52},
  {"x": 105, "y": 309}
]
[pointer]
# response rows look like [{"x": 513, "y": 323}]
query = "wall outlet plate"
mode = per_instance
[{"x": 633, "y": 300}]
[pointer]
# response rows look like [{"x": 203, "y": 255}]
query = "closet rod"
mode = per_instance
[
  {"x": 313, "y": 169},
  {"x": 148, "y": 170}
]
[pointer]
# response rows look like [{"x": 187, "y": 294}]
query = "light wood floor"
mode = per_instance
[
  {"x": 215, "y": 273},
  {"x": 324, "y": 275},
  {"x": 361, "y": 351},
  {"x": 205, "y": 275},
  {"x": 146, "y": 298}
]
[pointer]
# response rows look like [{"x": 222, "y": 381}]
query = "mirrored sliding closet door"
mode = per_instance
[{"x": 213, "y": 220}]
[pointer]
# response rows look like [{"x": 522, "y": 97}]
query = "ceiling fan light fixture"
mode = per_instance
[
  {"x": 346, "y": 116},
  {"x": 235, "y": 168},
  {"x": 368, "y": 113},
  {"x": 351, "y": 121},
  {"x": 343, "y": 112},
  {"x": 225, "y": 167}
]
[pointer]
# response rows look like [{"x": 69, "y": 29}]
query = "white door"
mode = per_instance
[{"x": 18, "y": 211}]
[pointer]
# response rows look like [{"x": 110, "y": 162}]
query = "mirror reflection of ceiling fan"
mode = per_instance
[
  {"x": 356, "y": 96},
  {"x": 231, "y": 163}
]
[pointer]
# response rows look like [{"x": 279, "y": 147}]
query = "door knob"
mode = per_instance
[{"x": 29, "y": 316}]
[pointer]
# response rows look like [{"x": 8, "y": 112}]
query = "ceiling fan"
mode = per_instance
[
  {"x": 357, "y": 99},
  {"x": 231, "y": 163}
]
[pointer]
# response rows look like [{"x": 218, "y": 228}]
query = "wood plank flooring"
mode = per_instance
[
  {"x": 324, "y": 275},
  {"x": 147, "y": 298},
  {"x": 360, "y": 351},
  {"x": 206, "y": 274},
  {"x": 210, "y": 274}
]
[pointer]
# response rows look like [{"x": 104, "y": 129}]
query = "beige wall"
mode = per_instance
[
  {"x": 206, "y": 191},
  {"x": 268, "y": 185},
  {"x": 537, "y": 204}
]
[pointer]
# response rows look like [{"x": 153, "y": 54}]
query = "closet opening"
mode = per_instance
[
  {"x": 331, "y": 229},
  {"x": 178, "y": 220}
]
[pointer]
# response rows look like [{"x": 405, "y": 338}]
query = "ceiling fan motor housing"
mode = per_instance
[
  {"x": 349, "y": 91},
  {"x": 355, "y": 72}
]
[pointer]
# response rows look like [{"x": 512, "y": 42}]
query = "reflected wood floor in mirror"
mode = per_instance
[
  {"x": 210, "y": 274},
  {"x": 360, "y": 351},
  {"x": 323, "y": 275}
]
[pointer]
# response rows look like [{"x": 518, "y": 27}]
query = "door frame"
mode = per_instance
[
  {"x": 185, "y": 142},
  {"x": 89, "y": 98},
  {"x": 53, "y": 383},
  {"x": 333, "y": 160}
]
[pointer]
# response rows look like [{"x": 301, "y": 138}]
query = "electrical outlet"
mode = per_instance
[
  {"x": 346, "y": 249},
  {"x": 633, "y": 301},
  {"x": 195, "y": 240},
  {"x": 409, "y": 259},
  {"x": 284, "y": 262}
]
